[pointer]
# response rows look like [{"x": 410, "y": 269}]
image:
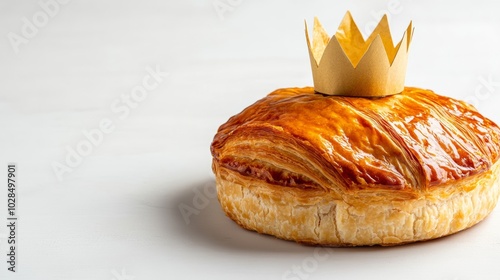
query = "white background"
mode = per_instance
[{"x": 116, "y": 214}]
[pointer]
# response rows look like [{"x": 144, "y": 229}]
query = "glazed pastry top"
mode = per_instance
[{"x": 410, "y": 141}]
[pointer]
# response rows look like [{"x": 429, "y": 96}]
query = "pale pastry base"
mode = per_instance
[{"x": 318, "y": 217}]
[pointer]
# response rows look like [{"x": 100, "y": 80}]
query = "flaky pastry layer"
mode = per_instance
[{"x": 371, "y": 219}]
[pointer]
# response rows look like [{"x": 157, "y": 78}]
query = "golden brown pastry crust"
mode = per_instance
[{"x": 356, "y": 171}]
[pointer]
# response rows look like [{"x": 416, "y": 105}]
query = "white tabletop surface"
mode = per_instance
[{"x": 67, "y": 69}]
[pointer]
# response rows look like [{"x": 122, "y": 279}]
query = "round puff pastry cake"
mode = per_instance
[{"x": 348, "y": 171}]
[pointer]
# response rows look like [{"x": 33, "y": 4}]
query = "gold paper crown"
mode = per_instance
[{"x": 347, "y": 64}]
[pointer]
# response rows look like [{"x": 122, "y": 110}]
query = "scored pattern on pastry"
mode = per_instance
[{"x": 408, "y": 142}]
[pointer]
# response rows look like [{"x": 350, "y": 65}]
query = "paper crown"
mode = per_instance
[{"x": 347, "y": 64}]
